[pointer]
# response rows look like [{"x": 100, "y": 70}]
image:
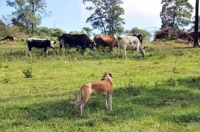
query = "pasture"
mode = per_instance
[{"x": 159, "y": 92}]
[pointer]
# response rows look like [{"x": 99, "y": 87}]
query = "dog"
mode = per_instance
[{"x": 103, "y": 86}]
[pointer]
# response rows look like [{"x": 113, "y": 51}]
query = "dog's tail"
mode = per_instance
[{"x": 79, "y": 99}]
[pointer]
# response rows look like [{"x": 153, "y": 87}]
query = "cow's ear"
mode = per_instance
[{"x": 110, "y": 74}]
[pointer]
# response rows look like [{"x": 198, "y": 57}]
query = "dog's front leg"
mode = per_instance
[
  {"x": 105, "y": 99},
  {"x": 110, "y": 102}
]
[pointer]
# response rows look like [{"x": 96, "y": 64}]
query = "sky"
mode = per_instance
[{"x": 71, "y": 15}]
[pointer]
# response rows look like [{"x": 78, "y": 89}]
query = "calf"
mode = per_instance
[
  {"x": 105, "y": 40},
  {"x": 130, "y": 43},
  {"x": 103, "y": 86},
  {"x": 39, "y": 43},
  {"x": 139, "y": 36},
  {"x": 191, "y": 37}
]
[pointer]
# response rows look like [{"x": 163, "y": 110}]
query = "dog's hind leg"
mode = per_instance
[
  {"x": 81, "y": 107},
  {"x": 85, "y": 92}
]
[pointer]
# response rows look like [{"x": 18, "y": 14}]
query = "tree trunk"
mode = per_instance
[{"x": 196, "y": 36}]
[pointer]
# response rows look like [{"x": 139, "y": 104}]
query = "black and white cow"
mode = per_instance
[
  {"x": 139, "y": 36},
  {"x": 75, "y": 40},
  {"x": 39, "y": 43}
]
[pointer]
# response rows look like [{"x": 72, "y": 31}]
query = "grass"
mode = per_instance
[{"x": 159, "y": 92}]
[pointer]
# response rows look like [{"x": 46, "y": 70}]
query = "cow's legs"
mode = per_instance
[
  {"x": 28, "y": 51},
  {"x": 45, "y": 52},
  {"x": 125, "y": 52},
  {"x": 111, "y": 49},
  {"x": 97, "y": 46},
  {"x": 133, "y": 52},
  {"x": 119, "y": 51},
  {"x": 60, "y": 46},
  {"x": 66, "y": 47}
]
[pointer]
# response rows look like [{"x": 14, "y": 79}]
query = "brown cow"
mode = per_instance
[
  {"x": 191, "y": 37},
  {"x": 105, "y": 40}
]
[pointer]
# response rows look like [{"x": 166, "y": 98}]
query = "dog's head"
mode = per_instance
[{"x": 106, "y": 76}]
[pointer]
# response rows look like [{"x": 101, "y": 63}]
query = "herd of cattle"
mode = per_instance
[{"x": 82, "y": 41}]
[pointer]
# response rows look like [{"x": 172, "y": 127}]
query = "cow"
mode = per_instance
[
  {"x": 130, "y": 43},
  {"x": 39, "y": 43},
  {"x": 139, "y": 36},
  {"x": 191, "y": 37},
  {"x": 105, "y": 40},
  {"x": 75, "y": 40},
  {"x": 10, "y": 37}
]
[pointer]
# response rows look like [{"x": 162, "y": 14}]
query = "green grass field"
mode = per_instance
[{"x": 159, "y": 92}]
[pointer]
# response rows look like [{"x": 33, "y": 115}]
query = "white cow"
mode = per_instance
[{"x": 130, "y": 43}]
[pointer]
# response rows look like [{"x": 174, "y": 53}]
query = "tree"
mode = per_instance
[
  {"x": 2, "y": 24},
  {"x": 28, "y": 13},
  {"x": 176, "y": 13},
  {"x": 106, "y": 16},
  {"x": 191, "y": 29}
]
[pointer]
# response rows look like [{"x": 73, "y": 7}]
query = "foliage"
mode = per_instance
[
  {"x": 7, "y": 20},
  {"x": 87, "y": 30},
  {"x": 106, "y": 16},
  {"x": 8, "y": 30},
  {"x": 45, "y": 31},
  {"x": 28, "y": 13},
  {"x": 176, "y": 13},
  {"x": 2, "y": 24}
]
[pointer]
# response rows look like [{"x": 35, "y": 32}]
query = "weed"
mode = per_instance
[
  {"x": 6, "y": 79},
  {"x": 28, "y": 73}
]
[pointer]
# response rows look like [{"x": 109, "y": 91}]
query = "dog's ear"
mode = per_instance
[{"x": 110, "y": 74}]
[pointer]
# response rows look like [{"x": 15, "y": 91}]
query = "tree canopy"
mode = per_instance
[
  {"x": 28, "y": 13},
  {"x": 106, "y": 16},
  {"x": 176, "y": 13}
]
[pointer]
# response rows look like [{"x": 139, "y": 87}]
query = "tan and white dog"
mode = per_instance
[{"x": 103, "y": 86}]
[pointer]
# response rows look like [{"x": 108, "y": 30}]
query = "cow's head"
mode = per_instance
[
  {"x": 92, "y": 46},
  {"x": 142, "y": 51},
  {"x": 52, "y": 43},
  {"x": 116, "y": 43}
]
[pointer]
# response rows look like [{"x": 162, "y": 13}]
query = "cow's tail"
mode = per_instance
[{"x": 26, "y": 46}]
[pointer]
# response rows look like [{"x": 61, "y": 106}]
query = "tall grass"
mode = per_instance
[{"x": 159, "y": 92}]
